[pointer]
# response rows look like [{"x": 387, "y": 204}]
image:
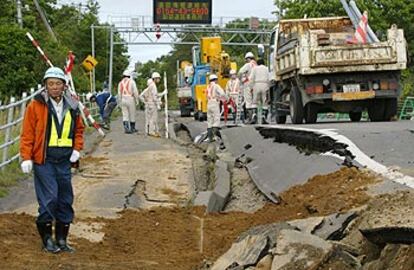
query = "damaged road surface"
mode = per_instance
[{"x": 134, "y": 209}]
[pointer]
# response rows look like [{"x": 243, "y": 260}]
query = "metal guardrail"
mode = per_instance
[
  {"x": 11, "y": 117},
  {"x": 12, "y": 114}
]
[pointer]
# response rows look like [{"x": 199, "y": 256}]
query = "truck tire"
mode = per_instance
[
  {"x": 390, "y": 110},
  {"x": 281, "y": 119},
  {"x": 296, "y": 106},
  {"x": 311, "y": 113},
  {"x": 355, "y": 116},
  {"x": 376, "y": 110}
]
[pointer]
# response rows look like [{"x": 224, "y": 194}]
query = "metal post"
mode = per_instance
[
  {"x": 23, "y": 106},
  {"x": 93, "y": 55},
  {"x": 19, "y": 13},
  {"x": 8, "y": 132},
  {"x": 111, "y": 56}
]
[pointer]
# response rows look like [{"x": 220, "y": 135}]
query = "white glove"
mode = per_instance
[
  {"x": 75, "y": 156},
  {"x": 27, "y": 166}
]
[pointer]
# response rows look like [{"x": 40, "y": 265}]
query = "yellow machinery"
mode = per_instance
[{"x": 208, "y": 59}]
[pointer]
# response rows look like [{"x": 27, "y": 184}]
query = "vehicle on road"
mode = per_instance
[
  {"x": 184, "y": 92},
  {"x": 315, "y": 69},
  {"x": 208, "y": 58}
]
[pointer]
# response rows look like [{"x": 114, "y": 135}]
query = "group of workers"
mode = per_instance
[
  {"x": 245, "y": 90},
  {"x": 128, "y": 98}
]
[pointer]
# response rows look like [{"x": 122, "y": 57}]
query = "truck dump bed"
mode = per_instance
[{"x": 318, "y": 46}]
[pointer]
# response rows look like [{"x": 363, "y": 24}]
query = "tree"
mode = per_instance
[{"x": 21, "y": 66}]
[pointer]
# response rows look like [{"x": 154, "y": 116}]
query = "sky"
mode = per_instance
[{"x": 109, "y": 9}]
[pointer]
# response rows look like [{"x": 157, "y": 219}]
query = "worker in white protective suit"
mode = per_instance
[
  {"x": 214, "y": 94},
  {"x": 259, "y": 82},
  {"x": 233, "y": 91},
  {"x": 128, "y": 98},
  {"x": 244, "y": 74},
  {"x": 152, "y": 100}
]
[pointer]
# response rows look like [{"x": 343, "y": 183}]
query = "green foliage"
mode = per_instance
[{"x": 22, "y": 67}]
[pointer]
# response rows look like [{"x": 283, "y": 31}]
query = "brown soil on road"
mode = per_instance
[{"x": 170, "y": 238}]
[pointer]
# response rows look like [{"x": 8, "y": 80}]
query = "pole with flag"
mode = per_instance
[{"x": 68, "y": 69}]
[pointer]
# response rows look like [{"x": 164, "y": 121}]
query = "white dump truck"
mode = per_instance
[{"x": 315, "y": 69}]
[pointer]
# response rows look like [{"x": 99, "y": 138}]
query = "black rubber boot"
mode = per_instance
[
  {"x": 210, "y": 134},
  {"x": 132, "y": 125},
  {"x": 253, "y": 116},
  {"x": 264, "y": 119},
  {"x": 45, "y": 231},
  {"x": 127, "y": 130},
  {"x": 61, "y": 234}
]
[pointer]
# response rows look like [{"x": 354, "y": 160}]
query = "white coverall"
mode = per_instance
[
  {"x": 259, "y": 82},
  {"x": 244, "y": 72},
  {"x": 128, "y": 96},
  {"x": 151, "y": 98},
  {"x": 233, "y": 89},
  {"x": 214, "y": 93}
]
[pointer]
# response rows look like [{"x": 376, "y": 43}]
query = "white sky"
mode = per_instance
[{"x": 221, "y": 8}]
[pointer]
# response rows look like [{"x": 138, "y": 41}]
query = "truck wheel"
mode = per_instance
[
  {"x": 280, "y": 119},
  {"x": 311, "y": 113},
  {"x": 296, "y": 106},
  {"x": 355, "y": 116},
  {"x": 390, "y": 110},
  {"x": 376, "y": 110}
]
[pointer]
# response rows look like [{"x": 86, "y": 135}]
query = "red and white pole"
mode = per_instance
[{"x": 68, "y": 68}]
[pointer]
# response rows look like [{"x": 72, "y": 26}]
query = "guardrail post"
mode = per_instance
[
  {"x": 23, "y": 106},
  {"x": 8, "y": 131}
]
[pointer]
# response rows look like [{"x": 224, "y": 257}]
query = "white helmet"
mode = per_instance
[
  {"x": 233, "y": 72},
  {"x": 249, "y": 55},
  {"x": 54, "y": 72},
  {"x": 127, "y": 73},
  {"x": 89, "y": 96},
  {"x": 149, "y": 81},
  {"x": 155, "y": 75},
  {"x": 213, "y": 77}
]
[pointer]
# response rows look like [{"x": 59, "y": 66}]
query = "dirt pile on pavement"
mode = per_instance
[{"x": 177, "y": 238}]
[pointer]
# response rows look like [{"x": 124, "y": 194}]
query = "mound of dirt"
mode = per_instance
[{"x": 177, "y": 238}]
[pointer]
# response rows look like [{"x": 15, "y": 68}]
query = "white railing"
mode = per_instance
[{"x": 11, "y": 117}]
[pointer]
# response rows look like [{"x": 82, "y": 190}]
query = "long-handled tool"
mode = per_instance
[
  {"x": 85, "y": 112},
  {"x": 166, "y": 104}
]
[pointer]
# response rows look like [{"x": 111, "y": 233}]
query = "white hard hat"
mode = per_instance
[
  {"x": 54, "y": 72},
  {"x": 149, "y": 81},
  {"x": 155, "y": 75},
  {"x": 233, "y": 72},
  {"x": 89, "y": 96},
  {"x": 213, "y": 77},
  {"x": 127, "y": 73},
  {"x": 249, "y": 55}
]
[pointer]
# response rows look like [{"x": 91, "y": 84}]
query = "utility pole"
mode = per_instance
[
  {"x": 19, "y": 13},
  {"x": 111, "y": 56},
  {"x": 93, "y": 55},
  {"x": 45, "y": 22}
]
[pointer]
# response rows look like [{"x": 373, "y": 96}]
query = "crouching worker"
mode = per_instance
[
  {"x": 214, "y": 94},
  {"x": 51, "y": 139},
  {"x": 106, "y": 103}
]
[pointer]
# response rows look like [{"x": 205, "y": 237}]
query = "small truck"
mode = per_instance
[{"x": 315, "y": 69}]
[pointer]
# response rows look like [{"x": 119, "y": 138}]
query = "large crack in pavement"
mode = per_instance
[{"x": 308, "y": 142}]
